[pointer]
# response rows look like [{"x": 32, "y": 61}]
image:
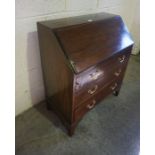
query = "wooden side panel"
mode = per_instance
[{"x": 58, "y": 77}]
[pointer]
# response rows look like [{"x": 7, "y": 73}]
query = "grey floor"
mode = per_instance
[{"x": 111, "y": 128}]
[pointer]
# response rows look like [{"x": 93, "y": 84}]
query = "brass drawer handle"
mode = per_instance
[
  {"x": 113, "y": 87},
  {"x": 121, "y": 59},
  {"x": 117, "y": 73},
  {"x": 95, "y": 75},
  {"x": 92, "y": 91},
  {"x": 90, "y": 106}
]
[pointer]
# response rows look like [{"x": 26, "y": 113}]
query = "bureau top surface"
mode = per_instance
[{"x": 90, "y": 39}]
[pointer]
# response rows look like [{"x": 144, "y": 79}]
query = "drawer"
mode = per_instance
[
  {"x": 91, "y": 102},
  {"x": 91, "y": 81}
]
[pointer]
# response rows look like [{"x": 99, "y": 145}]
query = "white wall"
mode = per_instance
[
  {"x": 135, "y": 27},
  {"x": 29, "y": 82}
]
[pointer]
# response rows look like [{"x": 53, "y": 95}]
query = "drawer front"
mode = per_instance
[
  {"x": 91, "y": 81},
  {"x": 91, "y": 102}
]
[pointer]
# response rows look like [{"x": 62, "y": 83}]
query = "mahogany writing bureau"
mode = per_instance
[{"x": 83, "y": 59}]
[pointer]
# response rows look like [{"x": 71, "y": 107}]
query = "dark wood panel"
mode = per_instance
[
  {"x": 88, "y": 44},
  {"x": 58, "y": 77}
]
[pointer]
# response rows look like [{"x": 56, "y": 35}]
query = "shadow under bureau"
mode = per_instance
[{"x": 84, "y": 59}]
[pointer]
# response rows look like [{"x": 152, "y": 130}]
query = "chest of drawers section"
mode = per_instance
[{"x": 95, "y": 84}]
